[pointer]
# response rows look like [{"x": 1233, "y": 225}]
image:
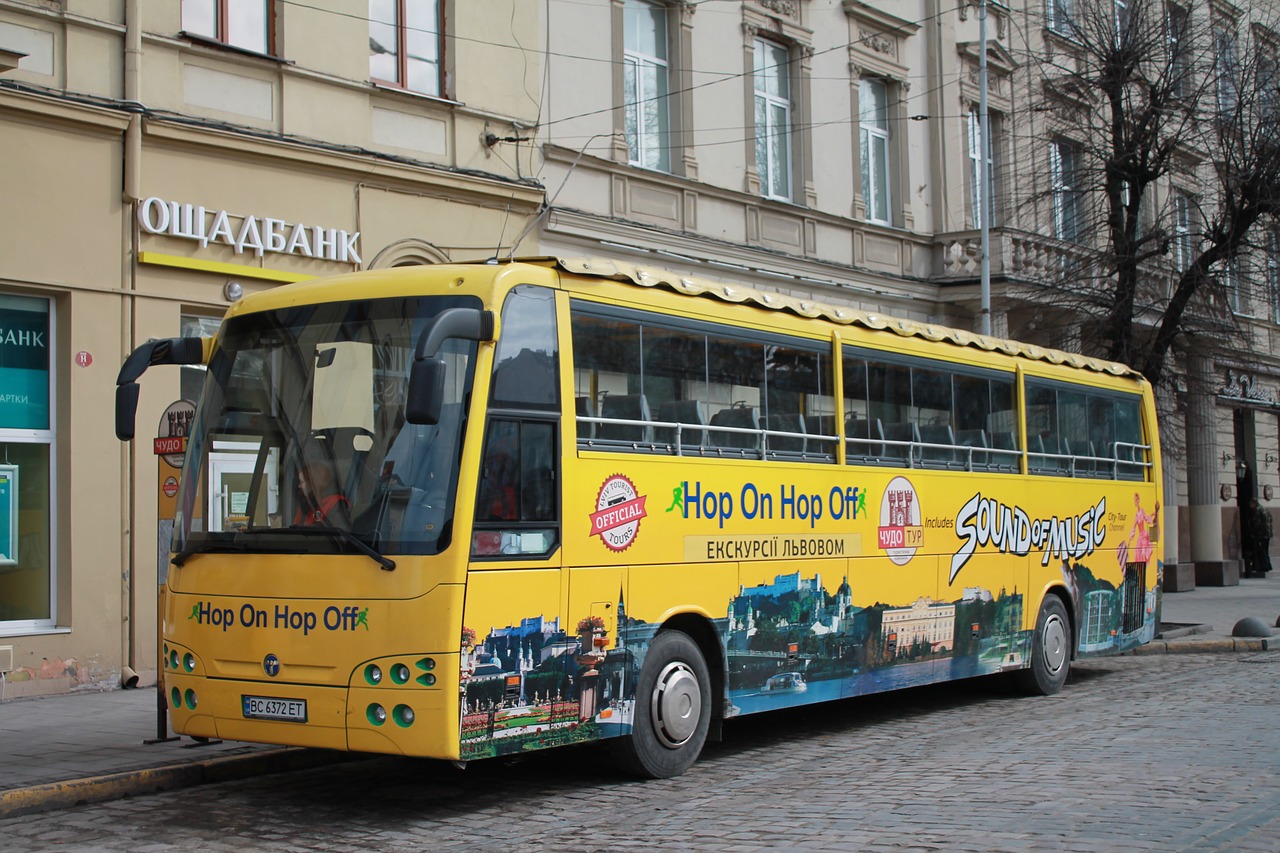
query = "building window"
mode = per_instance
[
  {"x": 1269, "y": 81},
  {"x": 245, "y": 24},
  {"x": 27, "y": 440},
  {"x": 975, "y": 166},
  {"x": 1273, "y": 274},
  {"x": 1226, "y": 70},
  {"x": 873, "y": 137},
  {"x": 1231, "y": 286},
  {"x": 1120, "y": 17},
  {"x": 646, "y": 95},
  {"x": 773, "y": 119},
  {"x": 1059, "y": 15},
  {"x": 1178, "y": 28},
  {"x": 1181, "y": 232},
  {"x": 405, "y": 44},
  {"x": 1063, "y": 176}
]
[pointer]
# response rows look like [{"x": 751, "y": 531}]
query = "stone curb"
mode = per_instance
[
  {"x": 114, "y": 786},
  {"x": 1191, "y": 646}
]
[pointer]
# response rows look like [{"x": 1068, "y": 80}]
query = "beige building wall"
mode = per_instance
[{"x": 299, "y": 139}]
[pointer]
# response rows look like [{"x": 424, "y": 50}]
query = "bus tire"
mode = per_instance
[
  {"x": 672, "y": 709},
  {"x": 1050, "y": 650}
]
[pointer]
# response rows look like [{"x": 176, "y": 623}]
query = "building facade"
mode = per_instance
[
  {"x": 834, "y": 151},
  {"x": 162, "y": 159}
]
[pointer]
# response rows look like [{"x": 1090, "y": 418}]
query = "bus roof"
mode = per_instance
[
  {"x": 339, "y": 287},
  {"x": 693, "y": 286}
]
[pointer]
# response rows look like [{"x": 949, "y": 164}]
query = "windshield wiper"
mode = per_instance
[
  {"x": 388, "y": 565},
  {"x": 204, "y": 546}
]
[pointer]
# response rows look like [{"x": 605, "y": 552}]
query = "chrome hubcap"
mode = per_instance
[
  {"x": 676, "y": 705},
  {"x": 1053, "y": 640}
]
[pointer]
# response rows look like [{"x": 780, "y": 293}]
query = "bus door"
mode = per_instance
[{"x": 517, "y": 667}]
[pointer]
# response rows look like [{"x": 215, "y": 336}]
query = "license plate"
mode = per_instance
[{"x": 267, "y": 708}]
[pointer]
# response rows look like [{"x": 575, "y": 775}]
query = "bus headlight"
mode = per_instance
[
  {"x": 373, "y": 675},
  {"x": 399, "y": 673},
  {"x": 403, "y": 715},
  {"x": 376, "y": 713}
]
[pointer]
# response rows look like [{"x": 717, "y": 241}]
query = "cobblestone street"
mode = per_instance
[{"x": 1160, "y": 753}]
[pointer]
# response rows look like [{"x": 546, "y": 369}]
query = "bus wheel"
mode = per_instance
[
  {"x": 1050, "y": 650},
  {"x": 672, "y": 709}
]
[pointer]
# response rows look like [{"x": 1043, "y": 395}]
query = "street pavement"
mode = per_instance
[{"x": 95, "y": 746}]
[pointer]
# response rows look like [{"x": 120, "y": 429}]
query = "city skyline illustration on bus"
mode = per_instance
[{"x": 788, "y": 641}]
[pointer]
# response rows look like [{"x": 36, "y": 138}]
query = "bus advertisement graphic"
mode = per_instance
[
  {"x": 618, "y": 512},
  {"x": 900, "y": 532}
]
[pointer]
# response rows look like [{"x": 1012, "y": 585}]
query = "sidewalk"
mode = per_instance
[{"x": 58, "y": 751}]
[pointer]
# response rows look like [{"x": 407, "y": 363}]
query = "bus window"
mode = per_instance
[
  {"x": 526, "y": 366},
  {"x": 798, "y": 391},
  {"x": 1042, "y": 430},
  {"x": 675, "y": 386},
  {"x": 516, "y": 502},
  {"x": 736, "y": 369},
  {"x": 1129, "y": 447},
  {"x": 889, "y": 406}
]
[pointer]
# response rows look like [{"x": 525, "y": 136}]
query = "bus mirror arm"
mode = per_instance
[
  {"x": 163, "y": 351},
  {"x": 427, "y": 376}
]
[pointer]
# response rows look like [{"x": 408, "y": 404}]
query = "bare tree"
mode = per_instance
[{"x": 1172, "y": 113}]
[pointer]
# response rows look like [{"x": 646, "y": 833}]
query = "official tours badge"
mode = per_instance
[{"x": 618, "y": 512}]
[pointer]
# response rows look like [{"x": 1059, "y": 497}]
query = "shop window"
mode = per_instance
[{"x": 26, "y": 463}]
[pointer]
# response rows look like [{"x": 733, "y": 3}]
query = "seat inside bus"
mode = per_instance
[{"x": 682, "y": 412}]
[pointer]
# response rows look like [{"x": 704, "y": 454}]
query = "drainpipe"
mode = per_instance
[{"x": 132, "y": 156}]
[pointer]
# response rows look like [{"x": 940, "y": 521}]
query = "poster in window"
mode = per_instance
[
  {"x": 8, "y": 515},
  {"x": 24, "y": 362}
]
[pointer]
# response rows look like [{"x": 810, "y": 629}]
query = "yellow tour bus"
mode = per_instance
[{"x": 470, "y": 510}]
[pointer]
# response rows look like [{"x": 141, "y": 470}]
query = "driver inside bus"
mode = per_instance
[{"x": 320, "y": 502}]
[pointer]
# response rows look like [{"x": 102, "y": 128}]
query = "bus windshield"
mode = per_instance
[{"x": 300, "y": 444}]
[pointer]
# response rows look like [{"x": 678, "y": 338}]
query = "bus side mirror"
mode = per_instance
[
  {"x": 426, "y": 392},
  {"x": 126, "y": 408},
  {"x": 163, "y": 351},
  {"x": 426, "y": 377}
]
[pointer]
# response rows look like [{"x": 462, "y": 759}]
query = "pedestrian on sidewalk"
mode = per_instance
[{"x": 1260, "y": 530}]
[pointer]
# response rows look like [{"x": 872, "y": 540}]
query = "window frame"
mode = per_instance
[
  {"x": 48, "y": 438},
  {"x": 1120, "y": 18},
  {"x": 974, "y": 128},
  {"x": 222, "y": 35},
  {"x": 1181, "y": 244},
  {"x": 876, "y": 182},
  {"x": 770, "y": 137},
  {"x": 646, "y": 140},
  {"x": 1231, "y": 287},
  {"x": 402, "y": 49},
  {"x": 1060, "y": 16},
  {"x": 1226, "y": 64},
  {"x": 1272, "y": 262},
  {"x": 1064, "y": 186},
  {"x": 1177, "y": 34}
]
